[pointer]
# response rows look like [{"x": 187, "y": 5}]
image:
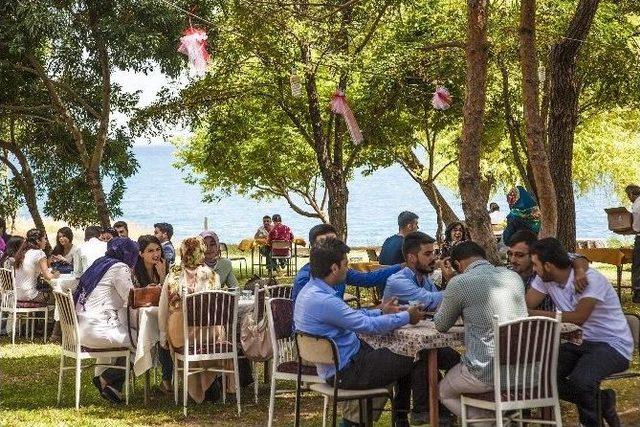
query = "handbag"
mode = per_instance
[
  {"x": 142, "y": 297},
  {"x": 255, "y": 339}
]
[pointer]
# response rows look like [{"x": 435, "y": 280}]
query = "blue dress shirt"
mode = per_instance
[
  {"x": 404, "y": 285},
  {"x": 391, "y": 252},
  {"x": 355, "y": 278},
  {"x": 319, "y": 311}
]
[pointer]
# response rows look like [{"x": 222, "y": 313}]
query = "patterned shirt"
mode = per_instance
[
  {"x": 478, "y": 294},
  {"x": 280, "y": 232}
]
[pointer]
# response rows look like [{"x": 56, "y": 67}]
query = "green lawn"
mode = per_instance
[{"x": 28, "y": 385}]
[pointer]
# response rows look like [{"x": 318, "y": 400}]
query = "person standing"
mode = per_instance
[
  {"x": 164, "y": 232},
  {"x": 524, "y": 213},
  {"x": 633, "y": 192},
  {"x": 391, "y": 252},
  {"x": 497, "y": 217}
]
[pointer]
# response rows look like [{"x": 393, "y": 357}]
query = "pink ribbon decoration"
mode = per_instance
[
  {"x": 340, "y": 106},
  {"x": 441, "y": 98},
  {"x": 193, "y": 43}
]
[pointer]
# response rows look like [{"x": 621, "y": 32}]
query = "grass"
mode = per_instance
[{"x": 28, "y": 387}]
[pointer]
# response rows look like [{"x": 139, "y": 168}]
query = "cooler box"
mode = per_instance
[{"x": 620, "y": 220}]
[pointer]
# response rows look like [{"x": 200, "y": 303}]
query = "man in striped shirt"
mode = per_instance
[{"x": 478, "y": 293}]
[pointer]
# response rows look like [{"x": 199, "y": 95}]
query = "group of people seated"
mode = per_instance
[
  {"x": 539, "y": 279},
  {"x": 272, "y": 229}
]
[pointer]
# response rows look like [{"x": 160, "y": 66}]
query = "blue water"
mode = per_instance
[{"x": 159, "y": 194}]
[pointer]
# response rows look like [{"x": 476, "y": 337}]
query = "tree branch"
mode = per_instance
[
  {"x": 373, "y": 29},
  {"x": 444, "y": 45}
]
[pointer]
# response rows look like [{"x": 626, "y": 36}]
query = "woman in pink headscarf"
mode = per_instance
[{"x": 212, "y": 259}]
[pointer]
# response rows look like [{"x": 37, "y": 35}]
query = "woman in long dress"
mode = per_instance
[
  {"x": 193, "y": 274},
  {"x": 101, "y": 302}
]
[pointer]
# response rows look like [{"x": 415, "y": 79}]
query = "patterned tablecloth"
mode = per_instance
[{"x": 410, "y": 339}]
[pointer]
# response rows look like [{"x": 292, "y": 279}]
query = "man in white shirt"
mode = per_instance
[
  {"x": 497, "y": 217},
  {"x": 633, "y": 192},
  {"x": 607, "y": 344},
  {"x": 92, "y": 249}
]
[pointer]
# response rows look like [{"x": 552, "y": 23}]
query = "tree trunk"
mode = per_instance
[
  {"x": 438, "y": 202},
  {"x": 27, "y": 185},
  {"x": 534, "y": 126},
  {"x": 474, "y": 202},
  {"x": 93, "y": 180},
  {"x": 338, "y": 199},
  {"x": 563, "y": 116}
]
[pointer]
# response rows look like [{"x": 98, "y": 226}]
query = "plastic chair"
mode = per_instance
[
  {"x": 210, "y": 329},
  {"x": 524, "y": 371},
  {"x": 71, "y": 347},
  {"x": 320, "y": 350},
  {"x": 284, "y": 365},
  {"x": 28, "y": 310},
  {"x": 225, "y": 249}
]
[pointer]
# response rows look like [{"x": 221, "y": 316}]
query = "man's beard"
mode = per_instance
[{"x": 425, "y": 270}]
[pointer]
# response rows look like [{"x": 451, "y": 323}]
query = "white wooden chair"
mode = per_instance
[
  {"x": 524, "y": 371},
  {"x": 210, "y": 329},
  {"x": 284, "y": 365},
  {"x": 72, "y": 347},
  {"x": 20, "y": 310},
  {"x": 321, "y": 350},
  {"x": 282, "y": 245}
]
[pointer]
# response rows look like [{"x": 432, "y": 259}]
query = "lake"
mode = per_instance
[{"x": 374, "y": 204}]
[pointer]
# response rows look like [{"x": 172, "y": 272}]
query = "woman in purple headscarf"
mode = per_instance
[{"x": 101, "y": 303}]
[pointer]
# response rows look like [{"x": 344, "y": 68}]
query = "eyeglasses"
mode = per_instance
[{"x": 517, "y": 254}]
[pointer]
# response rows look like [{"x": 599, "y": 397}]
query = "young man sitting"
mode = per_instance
[
  {"x": 319, "y": 311},
  {"x": 607, "y": 344},
  {"x": 391, "y": 252}
]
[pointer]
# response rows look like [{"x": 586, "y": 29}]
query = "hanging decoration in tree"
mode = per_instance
[
  {"x": 441, "y": 98},
  {"x": 340, "y": 106},
  {"x": 193, "y": 43},
  {"x": 296, "y": 86}
]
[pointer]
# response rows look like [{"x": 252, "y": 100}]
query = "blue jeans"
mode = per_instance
[{"x": 164, "y": 357}]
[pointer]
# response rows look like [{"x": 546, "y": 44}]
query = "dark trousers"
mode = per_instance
[
  {"x": 371, "y": 368},
  {"x": 635, "y": 267},
  {"x": 581, "y": 368},
  {"x": 115, "y": 377},
  {"x": 164, "y": 357}
]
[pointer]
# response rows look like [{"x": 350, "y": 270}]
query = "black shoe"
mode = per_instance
[
  {"x": 608, "y": 402},
  {"x": 636, "y": 297}
]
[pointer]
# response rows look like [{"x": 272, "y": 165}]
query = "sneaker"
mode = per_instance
[{"x": 608, "y": 402}]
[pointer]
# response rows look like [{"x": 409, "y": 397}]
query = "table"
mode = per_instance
[
  {"x": 411, "y": 339},
  {"x": 251, "y": 244},
  {"x": 613, "y": 256}
]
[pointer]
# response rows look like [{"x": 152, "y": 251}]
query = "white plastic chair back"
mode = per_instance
[
  {"x": 525, "y": 359},
  {"x": 68, "y": 321},
  {"x": 280, "y": 320},
  {"x": 210, "y": 323},
  {"x": 7, "y": 290}
]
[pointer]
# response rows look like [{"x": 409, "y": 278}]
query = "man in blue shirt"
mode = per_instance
[
  {"x": 319, "y": 311},
  {"x": 391, "y": 252},
  {"x": 376, "y": 278}
]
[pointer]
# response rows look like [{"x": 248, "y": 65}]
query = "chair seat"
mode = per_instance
[
  {"x": 505, "y": 396},
  {"x": 292, "y": 368},
  {"x": 30, "y": 304},
  {"x": 102, "y": 350},
  {"x": 622, "y": 375},
  {"x": 344, "y": 394},
  {"x": 211, "y": 348}
]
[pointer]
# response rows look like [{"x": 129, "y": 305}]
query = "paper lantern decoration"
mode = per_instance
[
  {"x": 193, "y": 43},
  {"x": 441, "y": 98},
  {"x": 296, "y": 86},
  {"x": 340, "y": 106}
]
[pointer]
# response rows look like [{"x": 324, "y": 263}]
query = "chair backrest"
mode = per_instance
[
  {"x": 210, "y": 321},
  {"x": 225, "y": 249},
  {"x": 317, "y": 349},
  {"x": 372, "y": 254},
  {"x": 280, "y": 321},
  {"x": 68, "y": 321},
  {"x": 634, "y": 324},
  {"x": 525, "y": 358},
  {"x": 7, "y": 290},
  {"x": 281, "y": 246},
  {"x": 263, "y": 293}
]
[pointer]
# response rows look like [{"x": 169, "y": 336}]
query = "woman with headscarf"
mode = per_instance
[
  {"x": 191, "y": 275},
  {"x": 101, "y": 303},
  {"x": 212, "y": 259},
  {"x": 524, "y": 213}
]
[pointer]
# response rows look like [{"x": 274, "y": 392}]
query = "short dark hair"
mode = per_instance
[
  {"x": 632, "y": 189},
  {"x": 406, "y": 217},
  {"x": 319, "y": 230},
  {"x": 266, "y": 216},
  {"x": 523, "y": 236},
  {"x": 493, "y": 206},
  {"x": 467, "y": 249},
  {"x": 91, "y": 232},
  {"x": 276, "y": 218},
  {"x": 324, "y": 254},
  {"x": 551, "y": 250},
  {"x": 165, "y": 228},
  {"x": 109, "y": 230},
  {"x": 414, "y": 240},
  {"x": 121, "y": 224}
]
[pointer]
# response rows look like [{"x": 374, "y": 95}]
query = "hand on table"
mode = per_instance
[
  {"x": 416, "y": 314},
  {"x": 390, "y": 306}
]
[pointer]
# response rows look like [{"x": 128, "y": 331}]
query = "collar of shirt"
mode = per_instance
[
  {"x": 414, "y": 276},
  {"x": 322, "y": 285},
  {"x": 476, "y": 264}
]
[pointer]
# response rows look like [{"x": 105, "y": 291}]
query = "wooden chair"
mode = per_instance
[
  {"x": 72, "y": 347},
  {"x": 321, "y": 350},
  {"x": 210, "y": 327},
  {"x": 524, "y": 371},
  {"x": 284, "y": 365},
  {"x": 29, "y": 311}
]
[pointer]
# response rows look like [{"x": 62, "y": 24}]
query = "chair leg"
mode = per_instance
[
  {"x": 325, "y": 408},
  {"x": 361, "y": 419},
  {"x": 334, "y": 415},
  {"x": 369, "y": 412},
  {"x": 272, "y": 396},
  {"x": 256, "y": 377},
  {"x": 175, "y": 380},
  {"x": 46, "y": 323},
  {"x": 236, "y": 375},
  {"x": 13, "y": 328},
  {"x": 463, "y": 413},
  {"x": 60, "y": 378},
  {"x": 557, "y": 414},
  {"x": 185, "y": 385},
  {"x": 499, "y": 421},
  {"x": 599, "y": 407},
  {"x": 126, "y": 379},
  {"x": 78, "y": 378}
]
